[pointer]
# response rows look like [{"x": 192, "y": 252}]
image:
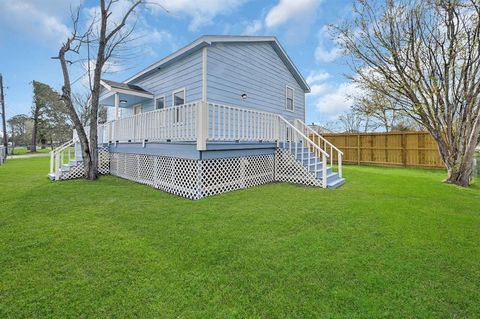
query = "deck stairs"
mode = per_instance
[
  {"x": 314, "y": 152},
  {"x": 65, "y": 161},
  {"x": 315, "y": 166}
]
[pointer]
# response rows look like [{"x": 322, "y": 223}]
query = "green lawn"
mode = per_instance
[
  {"x": 389, "y": 243},
  {"x": 22, "y": 150}
]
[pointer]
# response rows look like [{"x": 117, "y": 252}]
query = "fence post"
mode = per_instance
[
  {"x": 202, "y": 125},
  {"x": 404, "y": 150}
]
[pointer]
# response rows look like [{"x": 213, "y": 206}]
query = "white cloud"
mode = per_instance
[
  {"x": 252, "y": 28},
  {"x": 330, "y": 99},
  {"x": 200, "y": 12},
  {"x": 326, "y": 50},
  {"x": 327, "y": 55},
  {"x": 338, "y": 100},
  {"x": 41, "y": 19},
  {"x": 317, "y": 76},
  {"x": 291, "y": 11}
]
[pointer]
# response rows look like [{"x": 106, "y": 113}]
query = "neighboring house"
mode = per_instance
[
  {"x": 222, "y": 113},
  {"x": 320, "y": 129}
]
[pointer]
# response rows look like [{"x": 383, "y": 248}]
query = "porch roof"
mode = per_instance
[{"x": 125, "y": 88}]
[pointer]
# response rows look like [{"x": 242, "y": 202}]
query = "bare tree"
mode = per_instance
[
  {"x": 351, "y": 122},
  {"x": 379, "y": 108},
  {"x": 106, "y": 37},
  {"x": 81, "y": 100},
  {"x": 425, "y": 54}
]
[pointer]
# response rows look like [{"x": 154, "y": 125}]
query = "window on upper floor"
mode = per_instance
[{"x": 289, "y": 99}]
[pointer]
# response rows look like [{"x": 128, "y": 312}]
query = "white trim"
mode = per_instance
[
  {"x": 286, "y": 98},
  {"x": 155, "y": 101},
  {"x": 123, "y": 91},
  {"x": 128, "y": 92},
  {"x": 184, "y": 96},
  {"x": 204, "y": 74},
  {"x": 108, "y": 87},
  {"x": 135, "y": 106}
]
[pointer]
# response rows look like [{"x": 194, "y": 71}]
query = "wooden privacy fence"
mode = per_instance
[{"x": 393, "y": 148}]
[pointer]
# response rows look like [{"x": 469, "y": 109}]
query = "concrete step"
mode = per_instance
[
  {"x": 330, "y": 176},
  {"x": 336, "y": 183}
]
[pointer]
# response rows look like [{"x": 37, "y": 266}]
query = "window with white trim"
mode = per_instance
[
  {"x": 179, "y": 97},
  {"x": 160, "y": 103},
  {"x": 289, "y": 93}
]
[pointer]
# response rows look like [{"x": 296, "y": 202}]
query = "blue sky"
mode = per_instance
[{"x": 31, "y": 32}]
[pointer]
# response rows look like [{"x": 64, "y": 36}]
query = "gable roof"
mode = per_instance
[{"x": 209, "y": 39}]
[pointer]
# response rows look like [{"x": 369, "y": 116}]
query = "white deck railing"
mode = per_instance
[
  {"x": 176, "y": 123},
  {"x": 323, "y": 144},
  {"x": 301, "y": 146},
  {"x": 201, "y": 122},
  {"x": 193, "y": 122},
  {"x": 228, "y": 123},
  {"x": 61, "y": 155}
]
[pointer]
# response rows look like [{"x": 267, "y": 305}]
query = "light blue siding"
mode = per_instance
[
  {"x": 256, "y": 70},
  {"x": 184, "y": 73},
  {"x": 125, "y": 111}
]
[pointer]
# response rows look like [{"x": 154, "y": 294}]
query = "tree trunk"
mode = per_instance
[
  {"x": 459, "y": 164},
  {"x": 460, "y": 177},
  {"x": 33, "y": 147}
]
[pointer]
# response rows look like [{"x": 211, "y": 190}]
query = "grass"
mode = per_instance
[
  {"x": 22, "y": 150},
  {"x": 392, "y": 242}
]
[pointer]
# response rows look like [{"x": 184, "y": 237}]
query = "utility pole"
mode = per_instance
[{"x": 4, "y": 121}]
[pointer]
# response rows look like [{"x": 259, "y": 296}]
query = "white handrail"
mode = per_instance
[
  {"x": 296, "y": 142},
  {"x": 320, "y": 136},
  {"x": 309, "y": 141},
  {"x": 229, "y": 123},
  {"x": 325, "y": 143},
  {"x": 57, "y": 157},
  {"x": 171, "y": 123}
]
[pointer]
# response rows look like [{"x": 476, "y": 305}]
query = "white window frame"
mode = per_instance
[
  {"x": 286, "y": 98},
  {"x": 177, "y": 119},
  {"x": 135, "y": 106},
  {"x": 184, "y": 96},
  {"x": 164, "y": 102}
]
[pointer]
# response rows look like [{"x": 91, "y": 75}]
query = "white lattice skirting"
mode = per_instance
[
  {"x": 78, "y": 170},
  {"x": 195, "y": 179},
  {"x": 288, "y": 169}
]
